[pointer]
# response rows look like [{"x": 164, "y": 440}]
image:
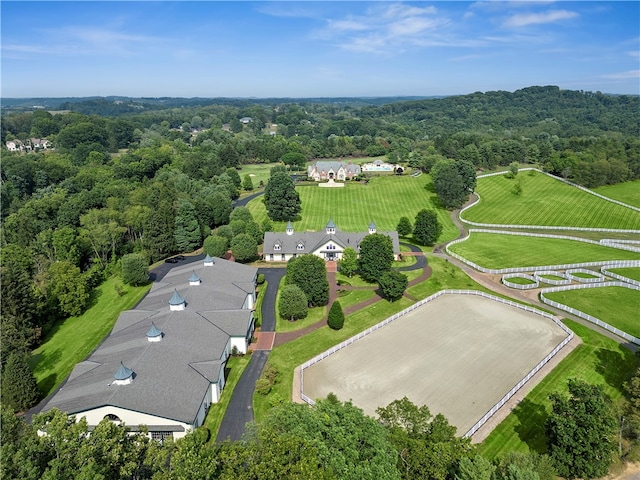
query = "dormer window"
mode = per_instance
[
  {"x": 300, "y": 245},
  {"x": 277, "y": 246}
]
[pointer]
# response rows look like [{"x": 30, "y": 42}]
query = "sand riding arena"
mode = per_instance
[{"x": 461, "y": 353}]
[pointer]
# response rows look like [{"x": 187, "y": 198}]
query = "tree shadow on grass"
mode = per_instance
[
  {"x": 615, "y": 366},
  {"x": 532, "y": 417}
]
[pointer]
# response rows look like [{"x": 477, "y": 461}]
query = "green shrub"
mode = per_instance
[{"x": 336, "y": 316}]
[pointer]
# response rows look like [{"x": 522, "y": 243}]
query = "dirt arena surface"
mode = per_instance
[{"x": 458, "y": 354}]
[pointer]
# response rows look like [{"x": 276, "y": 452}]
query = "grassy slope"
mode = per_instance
[
  {"x": 546, "y": 201},
  {"x": 72, "y": 340},
  {"x": 616, "y": 306},
  {"x": 384, "y": 200},
  {"x": 599, "y": 360},
  {"x": 631, "y": 272},
  {"x": 501, "y": 251},
  {"x": 628, "y": 192}
]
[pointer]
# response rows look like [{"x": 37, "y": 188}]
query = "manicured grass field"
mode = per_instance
[
  {"x": 599, "y": 360},
  {"x": 353, "y": 297},
  {"x": 72, "y": 340},
  {"x": 520, "y": 281},
  {"x": 627, "y": 192},
  {"x": 617, "y": 306},
  {"x": 383, "y": 200},
  {"x": 492, "y": 250},
  {"x": 546, "y": 201},
  {"x": 632, "y": 272}
]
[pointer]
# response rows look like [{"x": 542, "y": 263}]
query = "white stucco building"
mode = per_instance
[{"x": 163, "y": 363}]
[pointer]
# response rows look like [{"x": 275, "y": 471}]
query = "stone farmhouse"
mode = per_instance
[
  {"x": 163, "y": 363},
  {"x": 29, "y": 145},
  {"x": 328, "y": 244},
  {"x": 333, "y": 170}
]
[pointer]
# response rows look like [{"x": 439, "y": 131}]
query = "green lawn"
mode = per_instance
[
  {"x": 492, "y": 250},
  {"x": 617, "y": 306},
  {"x": 72, "y": 340},
  {"x": 384, "y": 200},
  {"x": 599, "y": 360},
  {"x": 353, "y": 297},
  {"x": 257, "y": 171},
  {"x": 520, "y": 281},
  {"x": 233, "y": 372},
  {"x": 546, "y": 201},
  {"x": 627, "y": 192},
  {"x": 631, "y": 272}
]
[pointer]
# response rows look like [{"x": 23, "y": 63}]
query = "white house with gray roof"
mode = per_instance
[
  {"x": 328, "y": 244},
  {"x": 163, "y": 363},
  {"x": 333, "y": 170}
]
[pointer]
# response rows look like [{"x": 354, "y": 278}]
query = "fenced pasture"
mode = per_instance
[
  {"x": 498, "y": 251},
  {"x": 617, "y": 306},
  {"x": 627, "y": 192},
  {"x": 384, "y": 200},
  {"x": 545, "y": 201},
  {"x": 632, "y": 272},
  {"x": 460, "y": 355}
]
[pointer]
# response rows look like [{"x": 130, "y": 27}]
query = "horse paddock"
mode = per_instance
[{"x": 457, "y": 354}]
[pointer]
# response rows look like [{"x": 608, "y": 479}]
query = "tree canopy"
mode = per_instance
[
  {"x": 280, "y": 198},
  {"x": 376, "y": 256}
]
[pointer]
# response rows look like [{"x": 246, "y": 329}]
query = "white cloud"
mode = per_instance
[{"x": 525, "y": 19}]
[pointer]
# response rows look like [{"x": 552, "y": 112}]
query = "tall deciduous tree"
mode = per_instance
[
  {"x": 135, "y": 269},
  {"x": 280, "y": 198},
  {"x": 66, "y": 288},
  {"x": 292, "y": 303},
  {"x": 244, "y": 248},
  {"x": 348, "y": 264},
  {"x": 453, "y": 182},
  {"x": 427, "y": 227},
  {"x": 580, "y": 431},
  {"x": 309, "y": 273},
  {"x": 404, "y": 227},
  {"x": 376, "y": 256},
  {"x": 247, "y": 183},
  {"x": 216, "y": 245},
  {"x": 393, "y": 284}
]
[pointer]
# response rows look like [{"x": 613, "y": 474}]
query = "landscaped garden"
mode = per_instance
[{"x": 545, "y": 201}]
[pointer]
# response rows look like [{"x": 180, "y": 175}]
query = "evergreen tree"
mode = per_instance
[
  {"x": 281, "y": 199},
  {"x": 336, "y": 316},
  {"x": 187, "y": 231},
  {"x": 427, "y": 227},
  {"x": 19, "y": 387},
  {"x": 159, "y": 240},
  {"x": 247, "y": 183},
  {"x": 376, "y": 256}
]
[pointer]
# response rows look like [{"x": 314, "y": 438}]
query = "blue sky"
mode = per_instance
[{"x": 305, "y": 49}]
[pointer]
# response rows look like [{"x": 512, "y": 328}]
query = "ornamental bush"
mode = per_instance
[{"x": 336, "y": 316}]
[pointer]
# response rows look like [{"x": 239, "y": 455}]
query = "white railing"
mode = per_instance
[
  {"x": 586, "y": 316},
  {"x": 519, "y": 286},
  {"x": 503, "y": 400},
  {"x": 541, "y": 273},
  {"x": 595, "y": 277},
  {"x": 533, "y": 268},
  {"x": 549, "y": 227}
]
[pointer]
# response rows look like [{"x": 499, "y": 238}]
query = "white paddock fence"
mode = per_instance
[
  {"x": 540, "y": 275},
  {"x": 520, "y": 286},
  {"x": 617, "y": 276},
  {"x": 416, "y": 305},
  {"x": 535, "y": 268},
  {"x": 550, "y": 227},
  {"x": 594, "y": 277},
  {"x": 586, "y": 316}
]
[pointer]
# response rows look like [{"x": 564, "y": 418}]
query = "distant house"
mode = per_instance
[
  {"x": 40, "y": 143},
  {"x": 328, "y": 244},
  {"x": 333, "y": 170},
  {"x": 246, "y": 120},
  {"x": 15, "y": 146},
  {"x": 379, "y": 166},
  {"x": 164, "y": 362}
]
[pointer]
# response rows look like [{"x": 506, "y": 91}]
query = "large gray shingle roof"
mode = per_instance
[{"x": 172, "y": 376}]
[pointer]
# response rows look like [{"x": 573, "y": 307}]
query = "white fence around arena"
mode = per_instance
[
  {"x": 586, "y": 316},
  {"x": 549, "y": 227},
  {"x": 503, "y": 400},
  {"x": 605, "y": 270}
]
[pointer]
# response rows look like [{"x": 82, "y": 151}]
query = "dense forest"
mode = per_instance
[{"x": 157, "y": 176}]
